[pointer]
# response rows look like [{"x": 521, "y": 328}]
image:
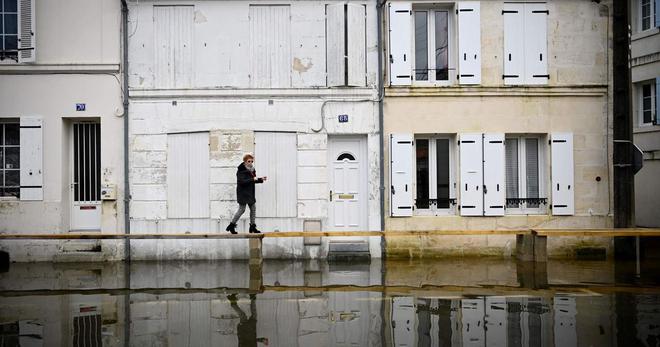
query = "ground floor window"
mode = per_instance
[
  {"x": 10, "y": 158},
  {"x": 434, "y": 186},
  {"x": 647, "y": 102},
  {"x": 524, "y": 174}
]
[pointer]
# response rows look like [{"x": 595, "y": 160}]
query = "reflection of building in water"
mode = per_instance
[{"x": 648, "y": 316}]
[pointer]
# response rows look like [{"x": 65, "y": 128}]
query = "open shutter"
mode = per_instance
[
  {"x": 401, "y": 170},
  {"x": 562, "y": 174},
  {"x": 335, "y": 36},
  {"x": 471, "y": 174},
  {"x": 514, "y": 63},
  {"x": 656, "y": 120},
  {"x": 494, "y": 185},
  {"x": 469, "y": 42},
  {"x": 400, "y": 43},
  {"x": 357, "y": 61},
  {"x": 26, "y": 32},
  {"x": 536, "y": 43},
  {"x": 31, "y": 158}
]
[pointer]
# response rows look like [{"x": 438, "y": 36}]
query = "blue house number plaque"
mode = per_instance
[
  {"x": 343, "y": 118},
  {"x": 80, "y": 107}
]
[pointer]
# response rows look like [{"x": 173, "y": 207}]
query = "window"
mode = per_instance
[
  {"x": 525, "y": 43},
  {"x": 346, "y": 45},
  {"x": 270, "y": 46},
  {"x": 434, "y": 177},
  {"x": 173, "y": 35},
  {"x": 524, "y": 175},
  {"x": 647, "y": 103},
  {"x": 9, "y": 29},
  {"x": 431, "y": 45},
  {"x": 647, "y": 13},
  {"x": 10, "y": 172}
]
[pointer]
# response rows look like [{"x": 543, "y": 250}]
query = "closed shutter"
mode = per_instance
[
  {"x": 657, "y": 13},
  {"x": 536, "y": 44},
  {"x": 31, "y": 158},
  {"x": 562, "y": 174},
  {"x": 276, "y": 158},
  {"x": 26, "y": 32},
  {"x": 334, "y": 25},
  {"x": 469, "y": 42},
  {"x": 173, "y": 35},
  {"x": 400, "y": 43},
  {"x": 471, "y": 174},
  {"x": 188, "y": 175},
  {"x": 514, "y": 61},
  {"x": 401, "y": 171},
  {"x": 357, "y": 70},
  {"x": 270, "y": 46},
  {"x": 198, "y": 173},
  {"x": 494, "y": 184}
]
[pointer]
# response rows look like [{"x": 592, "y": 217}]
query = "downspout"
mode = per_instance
[
  {"x": 381, "y": 93},
  {"x": 127, "y": 193}
]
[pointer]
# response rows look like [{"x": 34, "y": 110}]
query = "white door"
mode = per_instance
[
  {"x": 347, "y": 183},
  {"x": 86, "y": 176}
]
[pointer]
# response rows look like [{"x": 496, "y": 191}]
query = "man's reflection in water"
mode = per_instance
[{"x": 247, "y": 327}]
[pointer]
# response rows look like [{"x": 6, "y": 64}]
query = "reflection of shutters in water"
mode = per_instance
[
  {"x": 87, "y": 161},
  {"x": 87, "y": 330}
]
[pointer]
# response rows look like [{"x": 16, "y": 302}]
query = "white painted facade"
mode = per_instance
[
  {"x": 70, "y": 55},
  {"x": 270, "y": 78},
  {"x": 645, "y": 92}
]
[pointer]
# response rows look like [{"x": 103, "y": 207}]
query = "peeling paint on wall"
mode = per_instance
[{"x": 302, "y": 65}]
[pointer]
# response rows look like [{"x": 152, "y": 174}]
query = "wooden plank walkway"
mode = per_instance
[{"x": 393, "y": 233}]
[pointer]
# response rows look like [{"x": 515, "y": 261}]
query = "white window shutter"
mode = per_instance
[
  {"x": 657, "y": 13},
  {"x": 401, "y": 171},
  {"x": 562, "y": 174},
  {"x": 400, "y": 43},
  {"x": 178, "y": 187},
  {"x": 31, "y": 158},
  {"x": 469, "y": 42},
  {"x": 274, "y": 154},
  {"x": 26, "y": 32},
  {"x": 514, "y": 63},
  {"x": 334, "y": 24},
  {"x": 494, "y": 184},
  {"x": 198, "y": 173},
  {"x": 657, "y": 100},
  {"x": 470, "y": 148},
  {"x": 536, "y": 43},
  {"x": 357, "y": 61}
]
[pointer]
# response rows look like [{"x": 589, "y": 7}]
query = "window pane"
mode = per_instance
[
  {"x": 10, "y": 5},
  {"x": 532, "y": 169},
  {"x": 12, "y": 178},
  {"x": 11, "y": 42},
  {"x": 422, "y": 148},
  {"x": 12, "y": 134},
  {"x": 441, "y": 46},
  {"x": 10, "y": 24},
  {"x": 511, "y": 150},
  {"x": 12, "y": 158},
  {"x": 421, "y": 46},
  {"x": 443, "y": 172},
  {"x": 647, "y": 117},
  {"x": 646, "y": 104}
]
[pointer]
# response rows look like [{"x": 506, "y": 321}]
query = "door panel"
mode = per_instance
[
  {"x": 86, "y": 175},
  {"x": 348, "y": 184}
]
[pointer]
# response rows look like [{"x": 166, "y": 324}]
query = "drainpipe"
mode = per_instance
[
  {"x": 124, "y": 64},
  {"x": 381, "y": 93}
]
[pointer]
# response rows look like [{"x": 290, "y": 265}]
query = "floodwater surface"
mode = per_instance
[{"x": 315, "y": 303}]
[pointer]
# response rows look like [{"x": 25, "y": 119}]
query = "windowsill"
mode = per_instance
[
  {"x": 471, "y": 90},
  {"x": 643, "y": 34},
  {"x": 640, "y": 129},
  {"x": 9, "y": 198}
]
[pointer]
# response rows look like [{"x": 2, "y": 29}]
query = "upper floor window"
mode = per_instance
[
  {"x": 346, "y": 32},
  {"x": 647, "y": 102},
  {"x": 647, "y": 14},
  {"x": 9, "y": 29},
  {"x": 422, "y": 41},
  {"x": 16, "y": 36},
  {"x": 525, "y": 43}
]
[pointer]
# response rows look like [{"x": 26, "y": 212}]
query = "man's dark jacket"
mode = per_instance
[{"x": 245, "y": 185}]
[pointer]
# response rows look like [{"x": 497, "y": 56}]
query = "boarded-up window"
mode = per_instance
[
  {"x": 173, "y": 35},
  {"x": 345, "y": 44},
  {"x": 188, "y": 175},
  {"x": 270, "y": 48},
  {"x": 276, "y": 158}
]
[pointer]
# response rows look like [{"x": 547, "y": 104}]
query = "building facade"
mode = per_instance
[
  {"x": 645, "y": 70},
  {"x": 294, "y": 82},
  {"x": 497, "y": 116},
  {"x": 61, "y": 125}
]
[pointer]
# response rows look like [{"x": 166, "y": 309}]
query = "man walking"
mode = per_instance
[{"x": 246, "y": 178}]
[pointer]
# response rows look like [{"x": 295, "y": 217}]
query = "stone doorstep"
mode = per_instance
[{"x": 349, "y": 251}]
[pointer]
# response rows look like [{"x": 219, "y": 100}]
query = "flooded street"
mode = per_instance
[{"x": 449, "y": 302}]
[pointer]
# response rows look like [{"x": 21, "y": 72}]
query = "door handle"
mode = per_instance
[
  {"x": 331, "y": 195},
  {"x": 485, "y": 189}
]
